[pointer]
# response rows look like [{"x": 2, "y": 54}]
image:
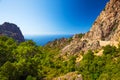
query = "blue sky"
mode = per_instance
[{"x": 38, "y": 17}]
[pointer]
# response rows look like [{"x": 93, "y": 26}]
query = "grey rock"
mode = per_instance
[{"x": 11, "y": 30}]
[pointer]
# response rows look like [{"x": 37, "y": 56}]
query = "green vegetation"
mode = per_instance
[
  {"x": 105, "y": 67},
  {"x": 27, "y": 61},
  {"x": 80, "y": 35}
]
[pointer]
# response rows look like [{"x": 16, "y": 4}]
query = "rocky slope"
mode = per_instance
[
  {"x": 107, "y": 25},
  {"x": 70, "y": 76},
  {"x": 105, "y": 30},
  {"x": 11, "y": 30},
  {"x": 58, "y": 43}
]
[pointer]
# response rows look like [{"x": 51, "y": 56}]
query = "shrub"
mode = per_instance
[{"x": 109, "y": 49}]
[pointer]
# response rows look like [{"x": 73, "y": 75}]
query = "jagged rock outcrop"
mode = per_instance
[
  {"x": 70, "y": 76},
  {"x": 105, "y": 30},
  {"x": 107, "y": 25},
  {"x": 58, "y": 44},
  {"x": 11, "y": 30}
]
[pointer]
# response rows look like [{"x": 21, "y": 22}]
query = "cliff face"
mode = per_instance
[
  {"x": 105, "y": 30},
  {"x": 11, "y": 30},
  {"x": 107, "y": 25}
]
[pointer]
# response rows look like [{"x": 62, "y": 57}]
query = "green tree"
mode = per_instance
[
  {"x": 109, "y": 49},
  {"x": 30, "y": 78},
  {"x": 7, "y": 45},
  {"x": 26, "y": 50},
  {"x": 9, "y": 71}
]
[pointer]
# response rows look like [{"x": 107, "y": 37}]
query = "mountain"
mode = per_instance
[
  {"x": 104, "y": 31},
  {"x": 65, "y": 59},
  {"x": 107, "y": 25},
  {"x": 11, "y": 30}
]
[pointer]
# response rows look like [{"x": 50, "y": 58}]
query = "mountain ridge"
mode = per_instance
[{"x": 106, "y": 29}]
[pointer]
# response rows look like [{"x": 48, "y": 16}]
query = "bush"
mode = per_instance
[
  {"x": 30, "y": 78},
  {"x": 109, "y": 49}
]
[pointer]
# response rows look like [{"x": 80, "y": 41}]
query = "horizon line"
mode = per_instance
[{"x": 51, "y": 34}]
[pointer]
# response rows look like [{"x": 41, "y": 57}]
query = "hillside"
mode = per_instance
[
  {"x": 94, "y": 55},
  {"x": 107, "y": 25},
  {"x": 104, "y": 31}
]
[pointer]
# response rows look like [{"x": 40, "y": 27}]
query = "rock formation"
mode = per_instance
[
  {"x": 105, "y": 30},
  {"x": 107, "y": 25},
  {"x": 70, "y": 76},
  {"x": 11, "y": 30},
  {"x": 58, "y": 43}
]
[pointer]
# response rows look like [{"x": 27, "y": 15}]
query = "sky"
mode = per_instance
[{"x": 41, "y": 17}]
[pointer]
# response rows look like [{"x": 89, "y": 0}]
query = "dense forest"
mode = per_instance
[{"x": 27, "y": 61}]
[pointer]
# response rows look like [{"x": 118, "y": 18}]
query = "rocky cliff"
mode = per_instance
[
  {"x": 107, "y": 25},
  {"x": 11, "y": 30},
  {"x": 105, "y": 30}
]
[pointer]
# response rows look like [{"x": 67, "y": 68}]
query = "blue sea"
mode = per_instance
[{"x": 44, "y": 39}]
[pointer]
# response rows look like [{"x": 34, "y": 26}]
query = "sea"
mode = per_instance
[{"x": 41, "y": 40}]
